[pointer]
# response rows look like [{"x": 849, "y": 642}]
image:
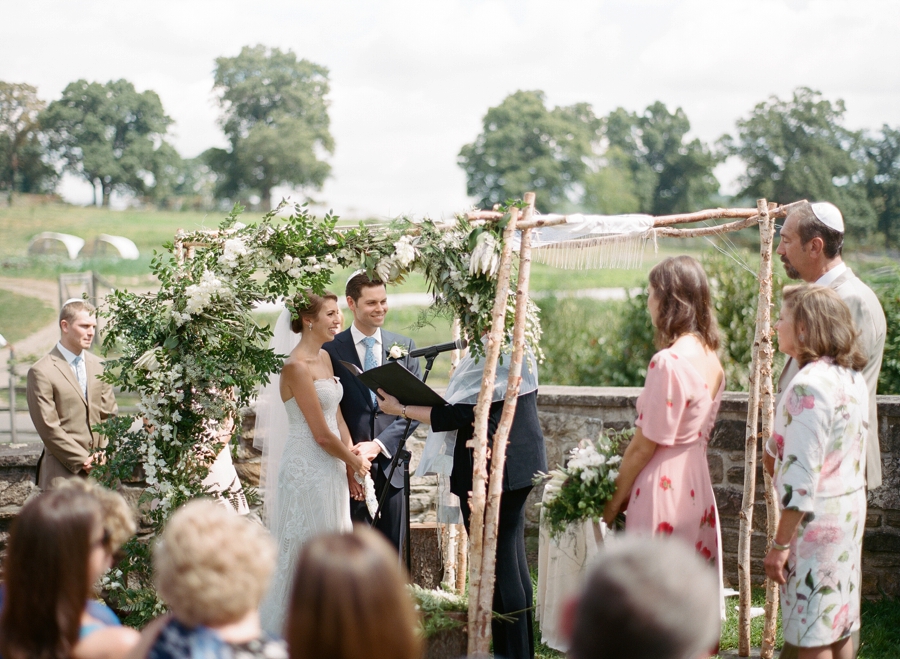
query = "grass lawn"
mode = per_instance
[{"x": 22, "y": 316}]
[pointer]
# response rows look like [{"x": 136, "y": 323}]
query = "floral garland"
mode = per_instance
[{"x": 195, "y": 355}]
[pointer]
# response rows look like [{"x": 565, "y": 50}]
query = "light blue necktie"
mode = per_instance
[
  {"x": 80, "y": 373},
  {"x": 370, "y": 362}
]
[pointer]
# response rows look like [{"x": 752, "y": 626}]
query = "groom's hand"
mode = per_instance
[{"x": 367, "y": 450}]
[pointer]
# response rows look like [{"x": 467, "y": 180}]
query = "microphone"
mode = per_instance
[{"x": 430, "y": 351}]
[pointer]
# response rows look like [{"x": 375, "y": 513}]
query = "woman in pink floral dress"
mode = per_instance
[
  {"x": 664, "y": 475},
  {"x": 818, "y": 446}
]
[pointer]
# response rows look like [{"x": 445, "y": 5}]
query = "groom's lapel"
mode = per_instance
[{"x": 347, "y": 348}]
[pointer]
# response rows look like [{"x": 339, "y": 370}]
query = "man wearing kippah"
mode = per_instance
[
  {"x": 66, "y": 398},
  {"x": 812, "y": 239}
]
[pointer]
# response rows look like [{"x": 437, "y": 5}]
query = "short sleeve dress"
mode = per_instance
[
  {"x": 820, "y": 431},
  {"x": 673, "y": 495}
]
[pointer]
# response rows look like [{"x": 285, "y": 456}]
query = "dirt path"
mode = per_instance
[{"x": 44, "y": 339}]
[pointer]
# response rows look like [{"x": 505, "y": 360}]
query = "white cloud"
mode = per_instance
[{"x": 411, "y": 79}]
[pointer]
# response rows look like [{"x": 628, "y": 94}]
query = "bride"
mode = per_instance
[{"x": 307, "y": 455}]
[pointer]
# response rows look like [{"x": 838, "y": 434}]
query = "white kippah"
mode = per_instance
[
  {"x": 829, "y": 215},
  {"x": 74, "y": 299},
  {"x": 361, "y": 271}
]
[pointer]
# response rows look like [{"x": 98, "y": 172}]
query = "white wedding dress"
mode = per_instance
[{"x": 313, "y": 498}]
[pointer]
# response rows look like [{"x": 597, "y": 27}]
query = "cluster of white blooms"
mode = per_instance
[
  {"x": 586, "y": 461},
  {"x": 485, "y": 257},
  {"x": 404, "y": 252},
  {"x": 295, "y": 266},
  {"x": 232, "y": 251},
  {"x": 200, "y": 295}
]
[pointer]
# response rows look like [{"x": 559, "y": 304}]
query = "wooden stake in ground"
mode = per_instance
[
  {"x": 480, "y": 621},
  {"x": 766, "y": 398},
  {"x": 752, "y": 435}
]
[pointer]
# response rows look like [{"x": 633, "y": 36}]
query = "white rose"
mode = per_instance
[{"x": 396, "y": 352}]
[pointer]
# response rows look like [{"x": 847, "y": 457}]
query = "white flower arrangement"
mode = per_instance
[{"x": 397, "y": 351}]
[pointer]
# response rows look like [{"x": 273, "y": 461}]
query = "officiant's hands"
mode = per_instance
[{"x": 389, "y": 404}]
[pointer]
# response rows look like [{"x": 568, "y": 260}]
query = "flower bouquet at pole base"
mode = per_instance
[{"x": 579, "y": 491}]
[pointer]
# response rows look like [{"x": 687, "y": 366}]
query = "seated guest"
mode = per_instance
[
  {"x": 646, "y": 598},
  {"x": 58, "y": 549},
  {"x": 349, "y": 601},
  {"x": 118, "y": 517},
  {"x": 211, "y": 567}
]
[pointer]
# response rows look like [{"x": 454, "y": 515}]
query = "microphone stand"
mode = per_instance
[{"x": 402, "y": 455}]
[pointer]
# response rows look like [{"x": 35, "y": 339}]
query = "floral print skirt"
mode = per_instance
[{"x": 820, "y": 603}]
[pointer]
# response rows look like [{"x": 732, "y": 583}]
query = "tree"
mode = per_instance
[
  {"x": 800, "y": 149},
  {"x": 22, "y": 166},
  {"x": 883, "y": 180},
  {"x": 668, "y": 173},
  {"x": 275, "y": 116},
  {"x": 526, "y": 147},
  {"x": 110, "y": 134}
]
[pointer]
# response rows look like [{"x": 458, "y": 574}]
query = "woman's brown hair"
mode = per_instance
[
  {"x": 823, "y": 326},
  {"x": 685, "y": 304},
  {"x": 46, "y": 575},
  {"x": 352, "y": 582},
  {"x": 304, "y": 311}
]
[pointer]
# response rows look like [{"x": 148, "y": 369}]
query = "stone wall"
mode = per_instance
[{"x": 570, "y": 413}]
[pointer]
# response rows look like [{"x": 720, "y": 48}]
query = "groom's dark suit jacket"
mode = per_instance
[{"x": 365, "y": 421}]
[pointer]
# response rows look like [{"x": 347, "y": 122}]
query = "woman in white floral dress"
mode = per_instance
[{"x": 818, "y": 446}]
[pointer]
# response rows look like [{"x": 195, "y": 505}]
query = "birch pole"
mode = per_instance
[
  {"x": 751, "y": 435},
  {"x": 480, "y": 621},
  {"x": 501, "y": 435},
  {"x": 766, "y": 239}
]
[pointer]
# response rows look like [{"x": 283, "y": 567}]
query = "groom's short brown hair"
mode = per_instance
[{"x": 357, "y": 283}]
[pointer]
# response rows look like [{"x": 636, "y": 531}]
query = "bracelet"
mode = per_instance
[
  {"x": 779, "y": 547},
  {"x": 403, "y": 412}
]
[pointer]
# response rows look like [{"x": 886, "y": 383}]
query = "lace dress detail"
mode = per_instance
[{"x": 313, "y": 498}]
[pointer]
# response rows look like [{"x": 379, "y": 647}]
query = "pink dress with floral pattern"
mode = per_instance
[
  {"x": 673, "y": 493},
  {"x": 820, "y": 432}
]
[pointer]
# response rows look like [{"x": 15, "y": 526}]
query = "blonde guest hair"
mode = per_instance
[
  {"x": 118, "y": 517},
  {"x": 349, "y": 601},
  {"x": 211, "y": 566},
  {"x": 71, "y": 308},
  {"x": 823, "y": 326}
]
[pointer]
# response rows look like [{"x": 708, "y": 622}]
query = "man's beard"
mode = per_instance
[{"x": 789, "y": 270}]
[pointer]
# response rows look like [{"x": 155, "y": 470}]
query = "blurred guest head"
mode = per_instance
[
  {"x": 118, "y": 517},
  {"x": 212, "y": 566},
  {"x": 57, "y": 548},
  {"x": 352, "y": 582},
  {"x": 646, "y": 598},
  {"x": 680, "y": 302}
]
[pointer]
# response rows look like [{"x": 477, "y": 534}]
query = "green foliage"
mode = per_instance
[
  {"x": 275, "y": 116},
  {"x": 883, "y": 181},
  {"x": 434, "y": 607},
  {"x": 22, "y": 167},
  {"x": 800, "y": 149},
  {"x": 526, "y": 147},
  {"x": 110, "y": 134},
  {"x": 668, "y": 173},
  {"x": 611, "y": 189},
  {"x": 587, "y": 344},
  {"x": 886, "y": 283},
  {"x": 26, "y": 315}
]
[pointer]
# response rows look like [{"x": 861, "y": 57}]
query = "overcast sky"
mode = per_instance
[{"x": 412, "y": 79}]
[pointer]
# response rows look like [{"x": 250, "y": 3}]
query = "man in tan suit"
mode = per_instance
[
  {"x": 812, "y": 238},
  {"x": 66, "y": 398}
]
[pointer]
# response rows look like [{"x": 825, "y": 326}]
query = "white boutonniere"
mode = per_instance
[{"x": 397, "y": 351}]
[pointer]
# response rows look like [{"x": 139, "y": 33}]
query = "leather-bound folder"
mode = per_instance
[{"x": 399, "y": 382}]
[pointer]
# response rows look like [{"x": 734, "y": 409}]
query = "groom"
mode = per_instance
[{"x": 376, "y": 435}]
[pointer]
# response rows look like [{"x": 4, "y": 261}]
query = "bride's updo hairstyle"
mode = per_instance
[
  {"x": 685, "y": 305},
  {"x": 306, "y": 306}
]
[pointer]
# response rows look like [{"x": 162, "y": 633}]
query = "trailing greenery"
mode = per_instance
[
  {"x": 194, "y": 352},
  {"x": 434, "y": 605}
]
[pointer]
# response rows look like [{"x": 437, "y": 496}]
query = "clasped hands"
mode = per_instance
[{"x": 368, "y": 452}]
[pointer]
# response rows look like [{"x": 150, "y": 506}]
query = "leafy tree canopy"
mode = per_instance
[
  {"x": 524, "y": 146},
  {"x": 800, "y": 149},
  {"x": 110, "y": 134},
  {"x": 275, "y": 115},
  {"x": 669, "y": 173},
  {"x": 883, "y": 180},
  {"x": 22, "y": 167}
]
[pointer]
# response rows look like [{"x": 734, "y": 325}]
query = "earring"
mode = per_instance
[
  {"x": 801, "y": 337},
  {"x": 309, "y": 325}
]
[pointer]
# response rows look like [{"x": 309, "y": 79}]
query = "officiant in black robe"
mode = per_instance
[{"x": 525, "y": 456}]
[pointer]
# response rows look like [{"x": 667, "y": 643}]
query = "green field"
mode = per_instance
[{"x": 22, "y": 315}]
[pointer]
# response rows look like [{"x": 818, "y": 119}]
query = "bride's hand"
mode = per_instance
[{"x": 361, "y": 467}]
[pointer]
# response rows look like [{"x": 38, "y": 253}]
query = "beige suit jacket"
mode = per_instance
[
  {"x": 63, "y": 417},
  {"x": 870, "y": 321}
]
